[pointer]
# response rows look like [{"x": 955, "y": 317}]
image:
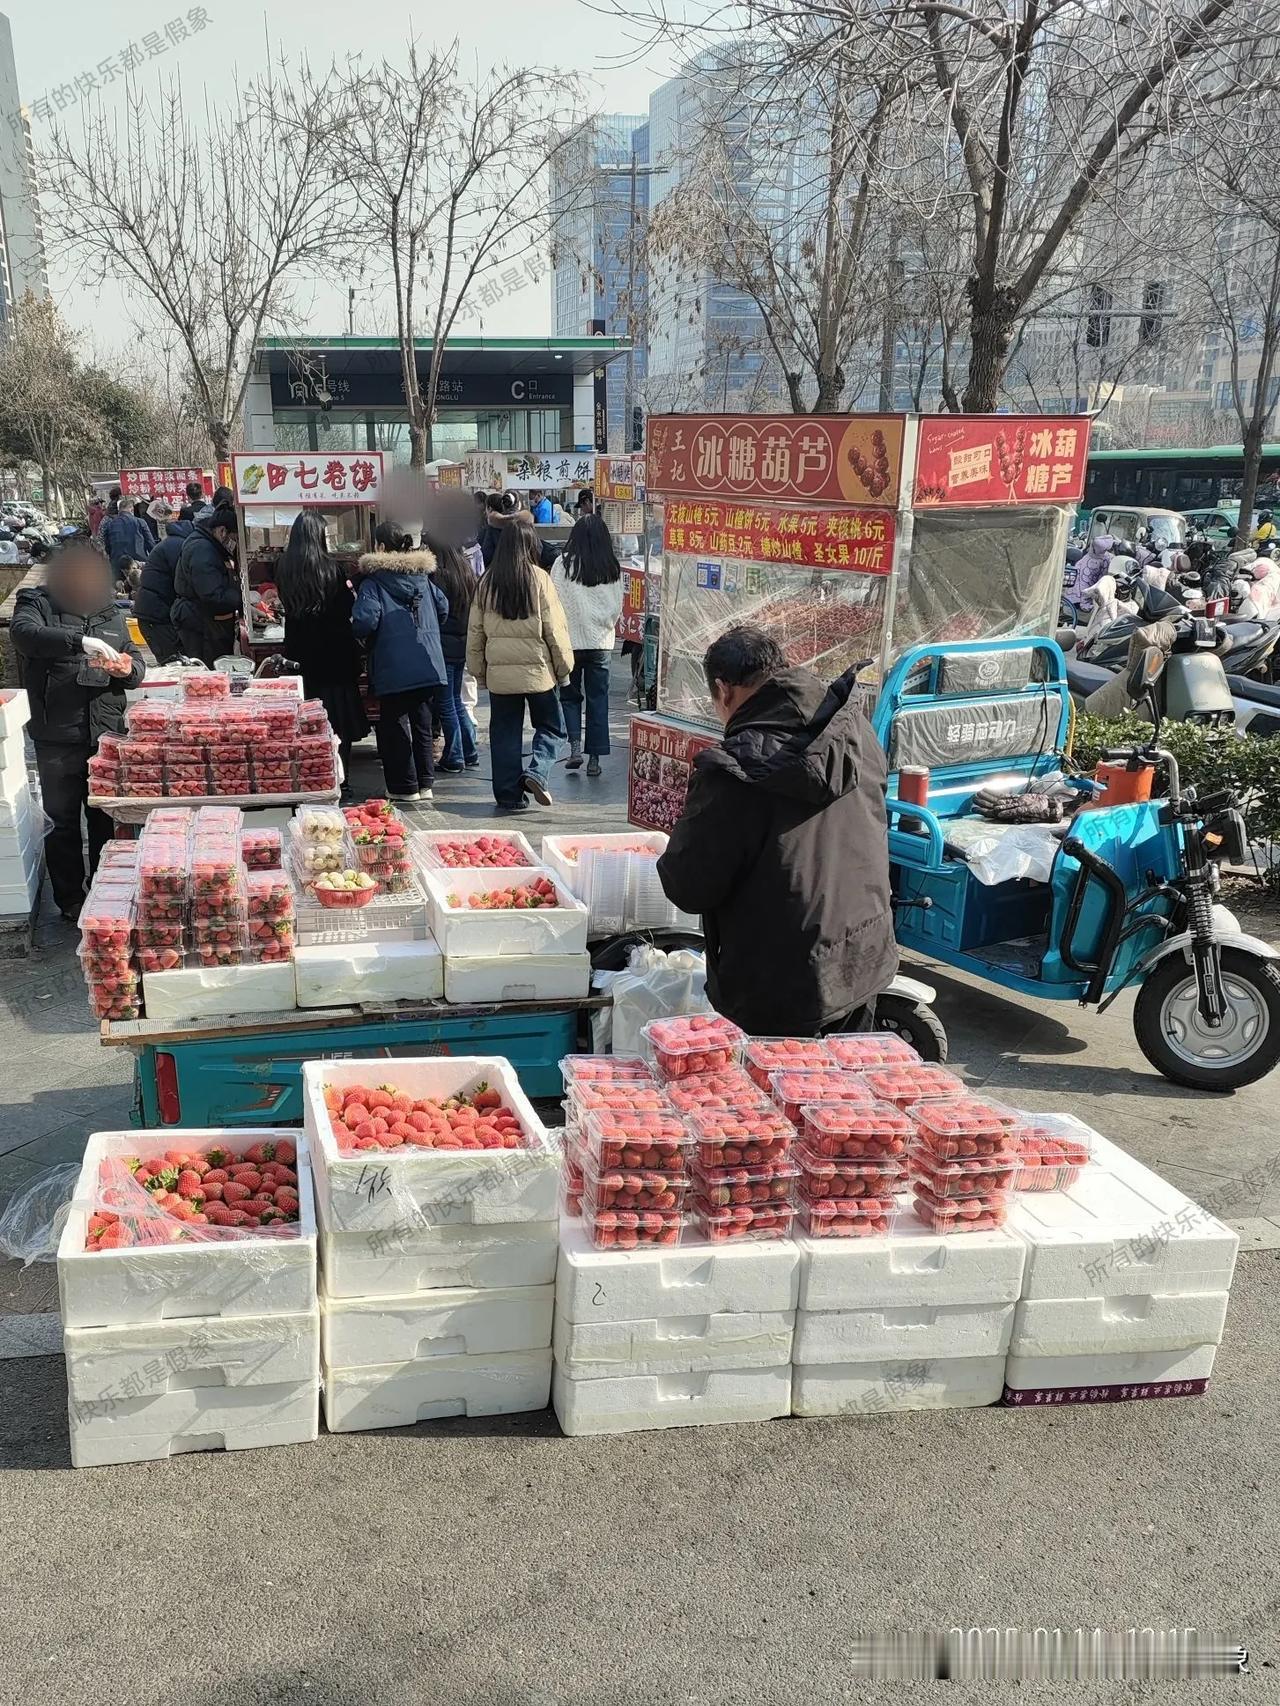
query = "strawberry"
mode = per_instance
[
  {"x": 260, "y": 1152},
  {"x": 216, "y": 1176},
  {"x": 233, "y": 1192},
  {"x": 189, "y": 1184},
  {"x": 286, "y": 1152}
]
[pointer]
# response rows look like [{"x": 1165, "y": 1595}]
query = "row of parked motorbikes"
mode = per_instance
[{"x": 1219, "y": 627}]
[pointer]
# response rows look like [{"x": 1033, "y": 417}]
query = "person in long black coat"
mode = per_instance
[
  {"x": 318, "y": 636},
  {"x": 153, "y": 601},
  {"x": 783, "y": 847},
  {"x": 206, "y": 588}
]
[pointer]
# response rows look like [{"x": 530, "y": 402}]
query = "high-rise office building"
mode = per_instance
[
  {"x": 22, "y": 259},
  {"x": 600, "y": 194}
]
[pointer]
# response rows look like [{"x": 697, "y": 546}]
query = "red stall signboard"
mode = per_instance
[
  {"x": 1000, "y": 459},
  {"x": 662, "y": 755},
  {"x": 167, "y": 483},
  {"x": 615, "y": 479},
  {"x": 635, "y": 603},
  {"x": 806, "y": 458},
  {"x": 294, "y": 477},
  {"x": 855, "y": 539}
]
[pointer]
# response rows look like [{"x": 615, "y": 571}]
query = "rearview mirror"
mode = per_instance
[{"x": 1144, "y": 672}]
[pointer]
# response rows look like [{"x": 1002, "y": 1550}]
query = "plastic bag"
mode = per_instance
[
  {"x": 999, "y": 852},
  {"x": 655, "y": 985},
  {"x": 32, "y": 1223}
]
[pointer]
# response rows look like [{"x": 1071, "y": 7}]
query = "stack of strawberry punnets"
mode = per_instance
[
  {"x": 961, "y": 1163},
  {"x": 436, "y": 1190},
  {"x": 187, "y": 1276},
  {"x": 643, "y": 1311},
  {"x": 107, "y": 954},
  {"x": 379, "y": 835},
  {"x": 211, "y": 743}
]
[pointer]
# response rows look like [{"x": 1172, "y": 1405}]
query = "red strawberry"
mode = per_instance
[
  {"x": 189, "y": 1184},
  {"x": 260, "y": 1152},
  {"x": 233, "y": 1192},
  {"x": 286, "y": 1151}
]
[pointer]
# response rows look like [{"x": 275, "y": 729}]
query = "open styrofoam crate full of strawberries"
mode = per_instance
[
  {"x": 491, "y": 913},
  {"x": 142, "y": 1241},
  {"x": 416, "y": 1144}
]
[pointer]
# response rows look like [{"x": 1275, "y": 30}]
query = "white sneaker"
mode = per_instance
[{"x": 425, "y": 796}]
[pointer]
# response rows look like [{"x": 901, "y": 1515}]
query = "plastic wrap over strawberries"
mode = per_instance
[{"x": 195, "y": 1196}]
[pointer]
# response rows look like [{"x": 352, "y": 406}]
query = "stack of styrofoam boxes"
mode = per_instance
[
  {"x": 1126, "y": 1286},
  {"x": 892, "y": 1315},
  {"x": 437, "y": 1265},
  {"x": 506, "y": 954},
  {"x": 615, "y": 877},
  {"x": 21, "y": 813},
  {"x": 650, "y": 1332},
  {"x": 192, "y": 1345}
]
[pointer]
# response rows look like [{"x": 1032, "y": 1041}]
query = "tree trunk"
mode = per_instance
[
  {"x": 417, "y": 445},
  {"x": 1253, "y": 439},
  {"x": 992, "y": 319},
  {"x": 830, "y": 391},
  {"x": 220, "y": 439}
]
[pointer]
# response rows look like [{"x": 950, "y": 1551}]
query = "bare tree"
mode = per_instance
[
  {"x": 44, "y": 415},
  {"x": 207, "y": 224},
  {"x": 1229, "y": 169},
  {"x": 778, "y": 197},
  {"x": 448, "y": 170}
]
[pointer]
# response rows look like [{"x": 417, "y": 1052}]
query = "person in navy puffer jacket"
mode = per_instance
[{"x": 399, "y": 610}]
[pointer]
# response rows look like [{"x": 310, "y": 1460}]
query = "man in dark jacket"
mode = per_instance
[
  {"x": 783, "y": 847},
  {"x": 77, "y": 695},
  {"x": 123, "y": 537},
  {"x": 206, "y": 588},
  {"x": 153, "y": 601}
]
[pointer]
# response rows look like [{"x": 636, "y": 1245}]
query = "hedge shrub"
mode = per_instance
[{"x": 1211, "y": 759}]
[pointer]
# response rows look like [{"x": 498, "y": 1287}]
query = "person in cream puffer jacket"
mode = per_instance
[{"x": 518, "y": 647}]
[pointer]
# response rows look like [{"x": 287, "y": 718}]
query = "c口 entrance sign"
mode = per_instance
[{"x": 317, "y": 383}]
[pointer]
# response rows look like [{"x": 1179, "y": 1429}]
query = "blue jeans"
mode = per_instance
[
  {"x": 506, "y": 740},
  {"x": 590, "y": 677},
  {"x": 459, "y": 730}
]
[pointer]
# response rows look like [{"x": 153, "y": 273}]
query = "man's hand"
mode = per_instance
[{"x": 118, "y": 666}]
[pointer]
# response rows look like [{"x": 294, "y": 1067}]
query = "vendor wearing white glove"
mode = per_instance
[{"x": 76, "y": 660}]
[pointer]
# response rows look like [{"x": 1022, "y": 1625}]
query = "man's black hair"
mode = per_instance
[
  {"x": 223, "y": 495},
  {"x": 224, "y": 515},
  {"x": 742, "y": 657},
  {"x": 497, "y": 502},
  {"x": 195, "y": 491}
]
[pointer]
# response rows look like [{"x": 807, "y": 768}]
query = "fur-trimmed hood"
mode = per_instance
[{"x": 398, "y": 562}]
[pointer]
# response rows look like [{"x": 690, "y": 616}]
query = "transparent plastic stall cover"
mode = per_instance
[
  {"x": 981, "y": 575},
  {"x": 825, "y": 619}
]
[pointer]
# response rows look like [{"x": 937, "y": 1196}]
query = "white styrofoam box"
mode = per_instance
[
  {"x": 364, "y": 1332},
  {"x": 518, "y": 977},
  {"x": 200, "y": 1418},
  {"x": 19, "y": 859},
  {"x": 1077, "y": 1326},
  {"x": 560, "y": 929},
  {"x": 396, "y": 1395},
  {"x": 15, "y": 711},
  {"x": 348, "y": 973},
  {"x": 169, "y": 1356},
  {"x": 18, "y": 899},
  {"x": 875, "y": 1388},
  {"x": 427, "y": 1188},
  {"x": 206, "y": 992},
  {"x": 904, "y": 1333},
  {"x": 423, "y": 842},
  {"x": 628, "y": 1403},
  {"x": 673, "y": 1344},
  {"x": 1109, "y": 1377},
  {"x": 257, "y": 1275},
  {"x": 756, "y": 1277},
  {"x": 13, "y": 762},
  {"x": 909, "y": 1266},
  {"x": 398, "y": 1263},
  {"x": 1121, "y": 1233},
  {"x": 18, "y": 817}
]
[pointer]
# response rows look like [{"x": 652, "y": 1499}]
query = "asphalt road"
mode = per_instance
[{"x": 490, "y": 1562}]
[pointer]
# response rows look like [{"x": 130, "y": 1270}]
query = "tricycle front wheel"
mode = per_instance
[{"x": 1178, "y": 1043}]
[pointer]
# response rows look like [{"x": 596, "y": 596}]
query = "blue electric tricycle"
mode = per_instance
[{"x": 1130, "y": 893}]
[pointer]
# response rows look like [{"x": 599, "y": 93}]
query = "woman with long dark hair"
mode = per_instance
[
  {"x": 518, "y": 647},
  {"x": 456, "y": 579},
  {"x": 317, "y": 602},
  {"x": 588, "y": 579},
  {"x": 399, "y": 610}
]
